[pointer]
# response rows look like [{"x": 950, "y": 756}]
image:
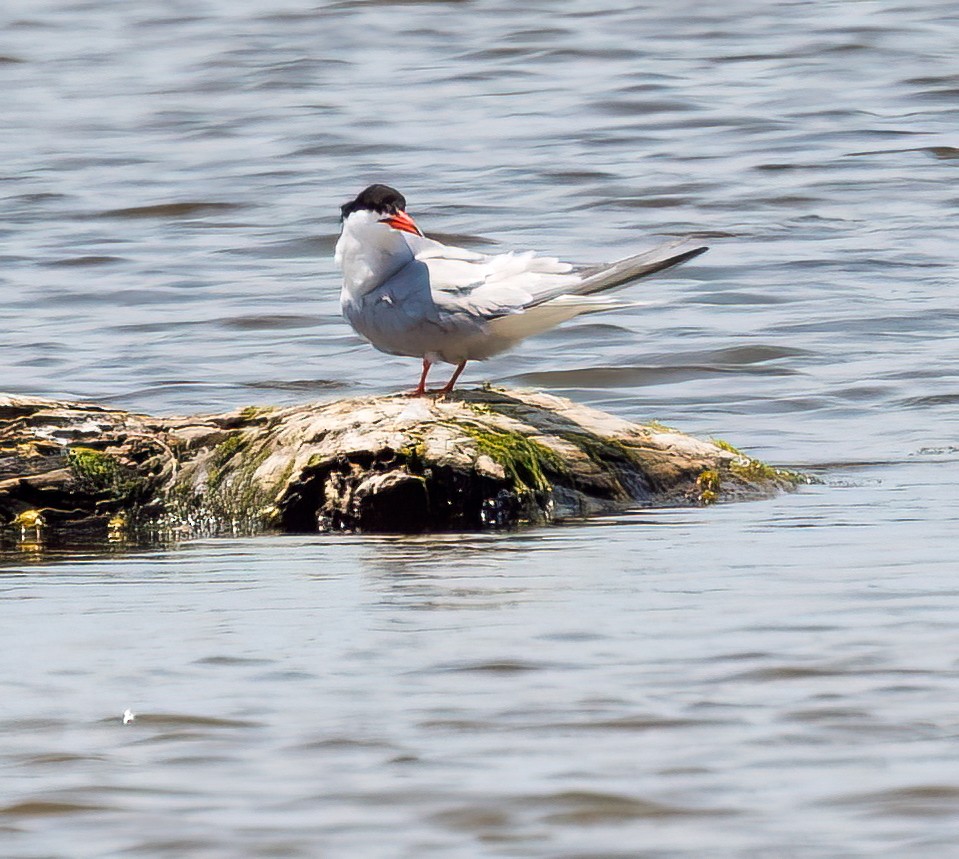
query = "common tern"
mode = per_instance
[{"x": 411, "y": 295}]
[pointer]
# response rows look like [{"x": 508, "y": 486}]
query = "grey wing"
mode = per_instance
[
  {"x": 494, "y": 286},
  {"x": 490, "y": 287},
  {"x": 599, "y": 278},
  {"x": 479, "y": 301}
]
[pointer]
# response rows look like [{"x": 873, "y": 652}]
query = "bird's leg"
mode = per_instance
[
  {"x": 456, "y": 374},
  {"x": 421, "y": 387}
]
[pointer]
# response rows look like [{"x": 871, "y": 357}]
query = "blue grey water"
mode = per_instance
[{"x": 755, "y": 680}]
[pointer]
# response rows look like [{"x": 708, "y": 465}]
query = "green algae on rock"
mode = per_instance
[{"x": 479, "y": 459}]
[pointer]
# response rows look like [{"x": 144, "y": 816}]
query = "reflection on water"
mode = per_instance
[{"x": 774, "y": 678}]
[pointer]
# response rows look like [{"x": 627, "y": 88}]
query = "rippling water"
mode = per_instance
[{"x": 770, "y": 679}]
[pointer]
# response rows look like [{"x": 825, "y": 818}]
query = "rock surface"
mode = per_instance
[{"x": 483, "y": 458}]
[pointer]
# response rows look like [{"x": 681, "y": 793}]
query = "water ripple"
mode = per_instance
[{"x": 171, "y": 180}]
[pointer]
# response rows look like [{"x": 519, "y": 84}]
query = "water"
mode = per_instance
[{"x": 768, "y": 679}]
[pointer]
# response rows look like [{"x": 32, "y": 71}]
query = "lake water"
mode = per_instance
[{"x": 768, "y": 679}]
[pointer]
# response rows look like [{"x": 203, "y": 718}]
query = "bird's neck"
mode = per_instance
[{"x": 368, "y": 264}]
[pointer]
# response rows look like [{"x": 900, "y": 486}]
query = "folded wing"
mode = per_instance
[{"x": 494, "y": 286}]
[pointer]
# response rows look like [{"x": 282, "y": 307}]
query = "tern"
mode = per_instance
[{"x": 411, "y": 295}]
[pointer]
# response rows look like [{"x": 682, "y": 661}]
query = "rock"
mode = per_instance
[{"x": 479, "y": 459}]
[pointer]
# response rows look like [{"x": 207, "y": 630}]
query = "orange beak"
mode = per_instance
[{"x": 402, "y": 221}]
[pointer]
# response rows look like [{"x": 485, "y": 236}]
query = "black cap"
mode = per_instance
[{"x": 376, "y": 198}]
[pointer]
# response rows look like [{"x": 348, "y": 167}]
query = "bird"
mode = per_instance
[{"x": 411, "y": 295}]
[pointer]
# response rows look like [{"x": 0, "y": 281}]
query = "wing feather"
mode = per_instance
[{"x": 497, "y": 285}]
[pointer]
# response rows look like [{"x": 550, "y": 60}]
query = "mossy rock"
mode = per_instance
[{"x": 479, "y": 459}]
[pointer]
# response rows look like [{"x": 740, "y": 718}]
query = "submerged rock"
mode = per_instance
[{"x": 479, "y": 459}]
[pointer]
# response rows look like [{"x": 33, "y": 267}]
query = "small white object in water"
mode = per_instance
[{"x": 128, "y": 716}]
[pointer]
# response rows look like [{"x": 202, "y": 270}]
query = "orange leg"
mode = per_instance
[
  {"x": 449, "y": 385},
  {"x": 421, "y": 387}
]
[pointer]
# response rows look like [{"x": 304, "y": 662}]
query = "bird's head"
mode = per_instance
[
  {"x": 372, "y": 244},
  {"x": 375, "y": 205}
]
